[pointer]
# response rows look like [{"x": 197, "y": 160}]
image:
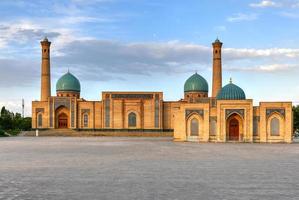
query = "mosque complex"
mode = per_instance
[{"x": 224, "y": 116}]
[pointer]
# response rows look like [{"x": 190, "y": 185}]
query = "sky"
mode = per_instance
[{"x": 141, "y": 45}]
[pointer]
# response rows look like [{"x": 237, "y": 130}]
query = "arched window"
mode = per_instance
[
  {"x": 194, "y": 127},
  {"x": 40, "y": 120},
  {"x": 132, "y": 120},
  {"x": 274, "y": 127},
  {"x": 85, "y": 120}
]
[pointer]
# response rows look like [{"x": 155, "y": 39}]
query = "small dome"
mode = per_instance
[
  {"x": 231, "y": 92},
  {"x": 196, "y": 83},
  {"x": 68, "y": 82},
  {"x": 217, "y": 41}
]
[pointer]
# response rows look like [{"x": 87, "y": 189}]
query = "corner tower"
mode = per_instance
[
  {"x": 45, "y": 70},
  {"x": 217, "y": 68}
]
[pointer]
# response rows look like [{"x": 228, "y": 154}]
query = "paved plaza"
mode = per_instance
[{"x": 145, "y": 168}]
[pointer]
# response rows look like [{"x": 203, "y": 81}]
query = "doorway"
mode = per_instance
[
  {"x": 62, "y": 121},
  {"x": 233, "y": 130}
]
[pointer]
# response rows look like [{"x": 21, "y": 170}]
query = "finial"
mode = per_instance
[
  {"x": 195, "y": 71},
  {"x": 68, "y": 70},
  {"x": 230, "y": 80},
  {"x": 46, "y": 39}
]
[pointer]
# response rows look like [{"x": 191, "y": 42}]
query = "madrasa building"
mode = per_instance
[{"x": 226, "y": 115}]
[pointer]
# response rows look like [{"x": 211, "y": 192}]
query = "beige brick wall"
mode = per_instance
[
  {"x": 180, "y": 121},
  {"x": 286, "y": 128},
  {"x": 38, "y": 105},
  {"x": 247, "y": 124},
  {"x": 168, "y": 113}
]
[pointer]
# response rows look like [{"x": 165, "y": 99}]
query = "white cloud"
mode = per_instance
[
  {"x": 264, "y": 4},
  {"x": 267, "y": 68},
  {"x": 103, "y": 60},
  {"x": 242, "y": 17},
  {"x": 22, "y": 32},
  {"x": 281, "y": 4},
  {"x": 272, "y": 53}
]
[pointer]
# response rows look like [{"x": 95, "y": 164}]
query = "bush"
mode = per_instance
[
  {"x": 14, "y": 132},
  {"x": 2, "y": 133}
]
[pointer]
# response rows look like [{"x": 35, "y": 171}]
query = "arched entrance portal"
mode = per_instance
[
  {"x": 62, "y": 117},
  {"x": 233, "y": 133},
  {"x": 234, "y": 128},
  {"x": 62, "y": 121}
]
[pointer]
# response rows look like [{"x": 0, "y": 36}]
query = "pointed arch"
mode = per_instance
[
  {"x": 132, "y": 120},
  {"x": 194, "y": 126},
  {"x": 62, "y": 119},
  {"x": 275, "y": 125},
  {"x": 234, "y": 127}
]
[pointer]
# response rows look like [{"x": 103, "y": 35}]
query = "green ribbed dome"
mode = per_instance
[
  {"x": 196, "y": 83},
  {"x": 68, "y": 82},
  {"x": 231, "y": 92}
]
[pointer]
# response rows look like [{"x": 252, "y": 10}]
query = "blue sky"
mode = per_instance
[{"x": 152, "y": 45}]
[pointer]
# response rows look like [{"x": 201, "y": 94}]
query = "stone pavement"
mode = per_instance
[{"x": 145, "y": 168}]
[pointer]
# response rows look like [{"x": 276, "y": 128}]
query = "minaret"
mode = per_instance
[
  {"x": 217, "y": 68},
  {"x": 45, "y": 70}
]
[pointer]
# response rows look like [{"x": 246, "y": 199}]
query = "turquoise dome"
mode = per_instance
[
  {"x": 231, "y": 92},
  {"x": 68, "y": 82},
  {"x": 196, "y": 83}
]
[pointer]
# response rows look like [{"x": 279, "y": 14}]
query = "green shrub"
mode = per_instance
[
  {"x": 2, "y": 133},
  {"x": 14, "y": 132}
]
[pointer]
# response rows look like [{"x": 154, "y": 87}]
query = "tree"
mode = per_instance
[
  {"x": 13, "y": 123},
  {"x": 296, "y": 118}
]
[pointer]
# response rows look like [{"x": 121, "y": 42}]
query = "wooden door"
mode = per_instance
[
  {"x": 234, "y": 129},
  {"x": 62, "y": 121}
]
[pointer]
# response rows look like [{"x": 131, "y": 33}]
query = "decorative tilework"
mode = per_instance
[
  {"x": 37, "y": 110},
  {"x": 62, "y": 101},
  {"x": 132, "y": 96},
  {"x": 228, "y": 112},
  {"x": 51, "y": 112},
  {"x": 198, "y": 111},
  {"x": 107, "y": 112},
  {"x": 85, "y": 111},
  {"x": 273, "y": 110},
  {"x": 73, "y": 113},
  {"x": 157, "y": 111}
]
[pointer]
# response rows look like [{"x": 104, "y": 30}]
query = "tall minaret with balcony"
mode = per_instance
[
  {"x": 45, "y": 70},
  {"x": 217, "y": 68}
]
